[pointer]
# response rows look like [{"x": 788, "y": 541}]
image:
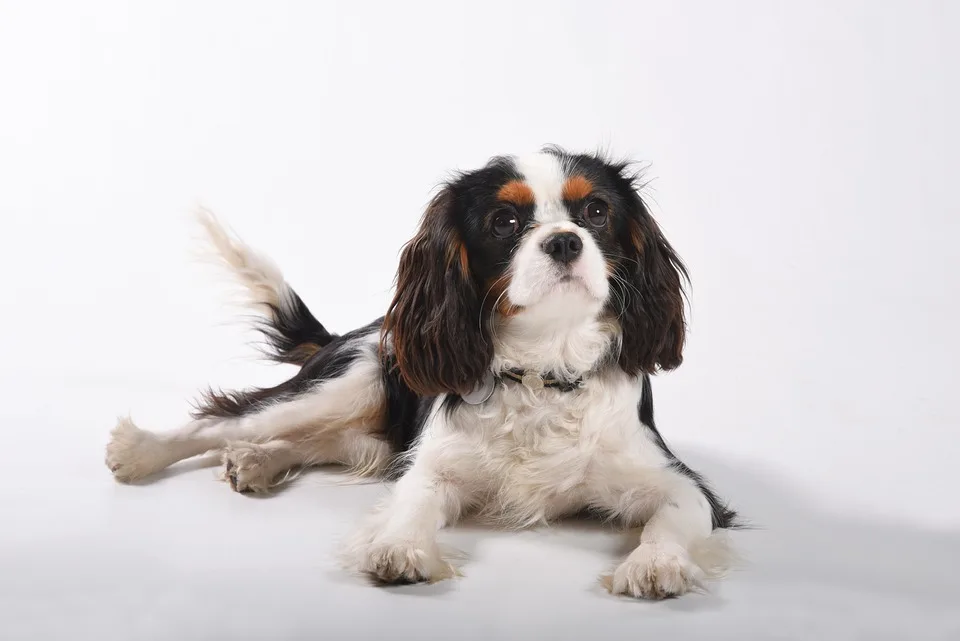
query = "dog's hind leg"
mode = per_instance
[
  {"x": 133, "y": 453},
  {"x": 332, "y": 412},
  {"x": 260, "y": 467}
]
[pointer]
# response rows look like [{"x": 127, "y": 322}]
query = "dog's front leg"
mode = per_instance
[
  {"x": 662, "y": 566},
  {"x": 399, "y": 543}
]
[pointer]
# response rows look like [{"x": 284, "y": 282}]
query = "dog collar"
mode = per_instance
[
  {"x": 537, "y": 381},
  {"x": 531, "y": 380}
]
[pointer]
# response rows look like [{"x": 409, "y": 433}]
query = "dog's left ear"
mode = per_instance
[
  {"x": 652, "y": 318},
  {"x": 440, "y": 341}
]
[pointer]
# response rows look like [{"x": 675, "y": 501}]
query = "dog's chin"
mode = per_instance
[
  {"x": 572, "y": 285},
  {"x": 569, "y": 285},
  {"x": 569, "y": 297}
]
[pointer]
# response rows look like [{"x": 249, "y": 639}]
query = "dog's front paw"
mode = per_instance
[
  {"x": 655, "y": 571},
  {"x": 400, "y": 562},
  {"x": 246, "y": 466}
]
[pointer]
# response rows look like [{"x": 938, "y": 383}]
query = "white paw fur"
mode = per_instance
[
  {"x": 399, "y": 562},
  {"x": 133, "y": 453},
  {"x": 391, "y": 561},
  {"x": 246, "y": 466},
  {"x": 655, "y": 571}
]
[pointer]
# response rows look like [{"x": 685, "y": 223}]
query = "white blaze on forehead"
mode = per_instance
[{"x": 543, "y": 173}]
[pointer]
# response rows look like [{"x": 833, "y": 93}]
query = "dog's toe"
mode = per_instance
[{"x": 247, "y": 468}]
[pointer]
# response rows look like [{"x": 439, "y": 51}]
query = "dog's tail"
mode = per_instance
[{"x": 291, "y": 333}]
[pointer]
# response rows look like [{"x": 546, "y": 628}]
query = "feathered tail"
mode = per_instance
[{"x": 291, "y": 332}]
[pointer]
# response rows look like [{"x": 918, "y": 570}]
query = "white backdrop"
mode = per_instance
[{"x": 803, "y": 157}]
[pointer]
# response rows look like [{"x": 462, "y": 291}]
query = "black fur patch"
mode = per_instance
[
  {"x": 332, "y": 361},
  {"x": 403, "y": 409},
  {"x": 721, "y": 514},
  {"x": 293, "y": 334},
  {"x": 415, "y": 411},
  {"x": 233, "y": 403}
]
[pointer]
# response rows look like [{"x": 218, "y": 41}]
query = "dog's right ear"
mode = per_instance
[
  {"x": 433, "y": 325},
  {"x": 653, "y": 320}
]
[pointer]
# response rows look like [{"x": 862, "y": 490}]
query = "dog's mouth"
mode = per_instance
[{"x": 572, "y": 283}]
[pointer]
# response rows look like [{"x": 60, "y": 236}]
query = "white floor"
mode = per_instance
[{"x": 183, "y": 557}]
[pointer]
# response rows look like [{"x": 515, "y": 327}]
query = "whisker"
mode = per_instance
[
  {"x": 495, "y": 303},
  {"x": 493, "y": 326}
]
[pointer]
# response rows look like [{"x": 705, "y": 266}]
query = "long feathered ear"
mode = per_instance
[
  {"x": 439, "y": 340},
  {"x": 653, "y": 322}
]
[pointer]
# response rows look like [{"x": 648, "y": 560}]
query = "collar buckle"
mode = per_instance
[
  {"x": 532, "y": 381},
  {"x": 535, "y": 381}
]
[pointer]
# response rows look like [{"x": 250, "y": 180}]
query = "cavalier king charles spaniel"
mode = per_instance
[{"x": 510, "y": 377}]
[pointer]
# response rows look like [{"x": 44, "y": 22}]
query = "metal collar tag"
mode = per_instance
[{"x": 482, "y": 392}]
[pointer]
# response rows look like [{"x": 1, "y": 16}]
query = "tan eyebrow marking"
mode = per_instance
[
  {"x": 517, "y": 192},
  {"x": 577, "y": 188}
]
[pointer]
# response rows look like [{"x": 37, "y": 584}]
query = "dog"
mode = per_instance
[{"x": 510, "y": 377}]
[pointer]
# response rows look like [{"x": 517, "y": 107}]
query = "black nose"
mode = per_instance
[{"x": 563, "y": 247}]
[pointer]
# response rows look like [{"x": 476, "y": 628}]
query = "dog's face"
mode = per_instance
[
  {"x": 542, "y": 233},
  {"x": 554, "y": 237}
]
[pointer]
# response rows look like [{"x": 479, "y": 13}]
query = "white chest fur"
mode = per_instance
[{"x": 536, "y": 455}]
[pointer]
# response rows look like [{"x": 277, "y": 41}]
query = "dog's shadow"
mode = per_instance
[
  {"x": 793, "y": 541},
  {"x": 788, "y": 541}
]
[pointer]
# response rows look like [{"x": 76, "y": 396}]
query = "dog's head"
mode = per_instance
[{"x": 550, "y": 238}]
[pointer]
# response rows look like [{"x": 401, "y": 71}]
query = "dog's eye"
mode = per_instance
[
  {"x": 505, "y": 224},
  {"x": 595, "y": 213}
]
